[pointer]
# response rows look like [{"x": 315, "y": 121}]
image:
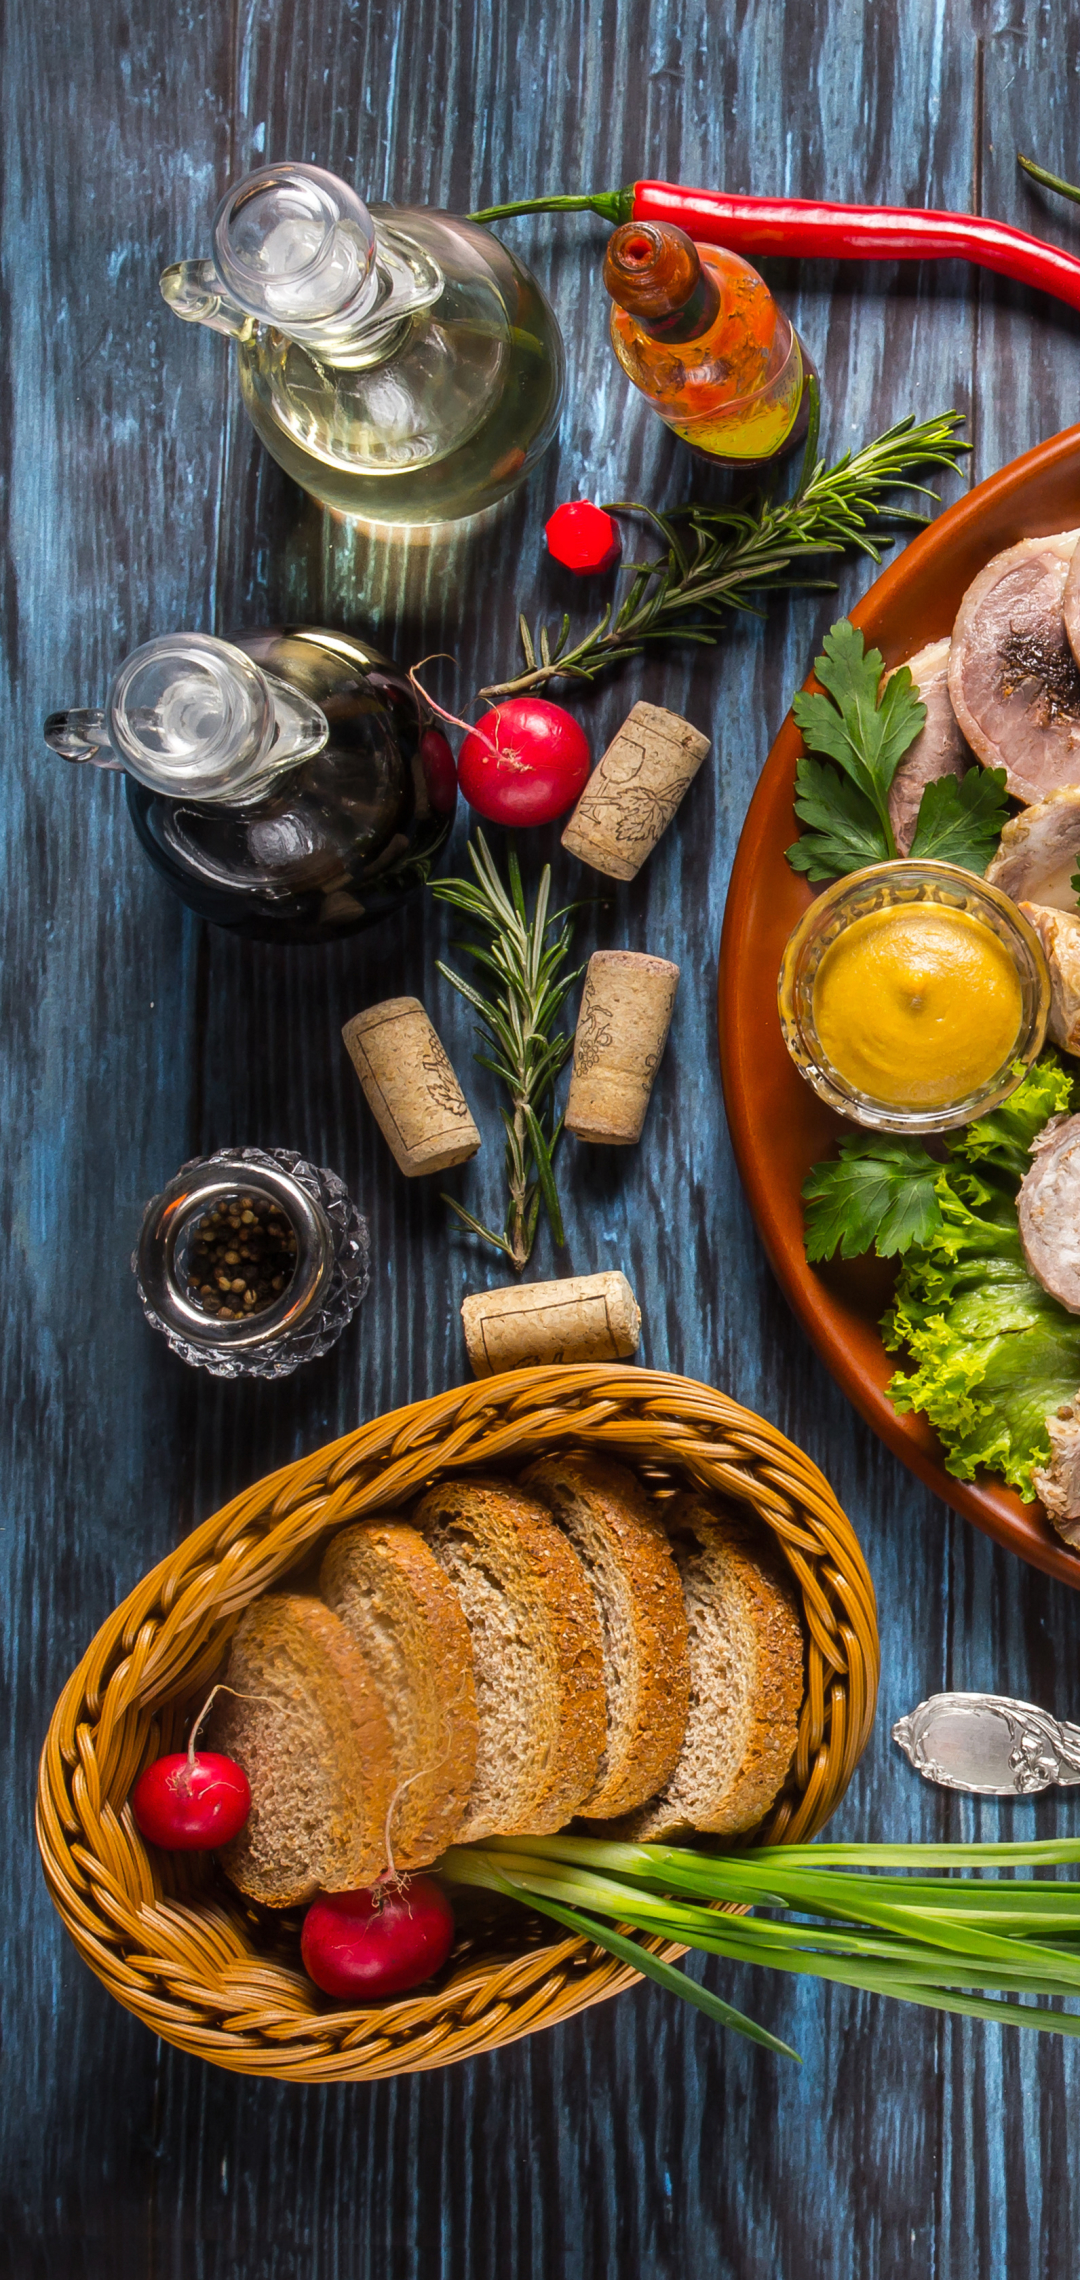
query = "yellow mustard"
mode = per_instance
[{"x": 917, "y": 1006}]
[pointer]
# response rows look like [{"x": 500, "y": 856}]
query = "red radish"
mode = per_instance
[
  {"x": 525, "y": 762},
  {"x": 379, "y": 1941},
  {"x": 583, "y": 538},
  {"x": 191, "y": 1800}
]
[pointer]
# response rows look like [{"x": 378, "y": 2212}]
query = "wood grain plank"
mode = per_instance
[
  {"x": 1027, "y": 346},
  {"x": 109, "y": 507},
  {"x": 710, "y": 1306},
  {"x": 635, "y": 2138}
]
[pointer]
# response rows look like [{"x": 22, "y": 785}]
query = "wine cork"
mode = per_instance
[
  {"x": 587, "y": 1318},
  {"x": 634, "y": 790},
  {"x": 621, "y": 1033},
  {"x": 410, "y": 1087}
]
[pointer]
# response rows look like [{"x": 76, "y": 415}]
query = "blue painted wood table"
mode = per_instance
[{"x": 635, "y": 2139}]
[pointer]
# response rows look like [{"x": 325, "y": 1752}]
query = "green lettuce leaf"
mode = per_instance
[
  {"x": 1003, "y": 1139},
  {"x": 991, "y": 1355},
  {"x": 994, "y": 1355}
]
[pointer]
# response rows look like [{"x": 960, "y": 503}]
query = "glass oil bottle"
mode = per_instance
[{"x": 398, "y": 362}]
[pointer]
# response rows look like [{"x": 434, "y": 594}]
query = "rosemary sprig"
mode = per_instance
[
  {"x": 528, "y": 1049},
  {"x": 717, "y": 557}
]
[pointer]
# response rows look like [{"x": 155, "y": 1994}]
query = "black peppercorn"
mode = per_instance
[{"x": 244, "y": 1232}]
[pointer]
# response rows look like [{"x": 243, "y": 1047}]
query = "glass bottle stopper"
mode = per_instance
[
  {"x": 192, "y": 716},
  {"x": 293, "y": 245},
  {"x": 296, "y": 249}
]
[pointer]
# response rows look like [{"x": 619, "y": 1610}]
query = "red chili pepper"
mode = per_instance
[{"x": 801, "y": 226}]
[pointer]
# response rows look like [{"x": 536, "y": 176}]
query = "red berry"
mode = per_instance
[
  {"x": 583, "y": 538},
  {"x": 191, "y": 1806},
  {"x": 377, "y": 1942},
  {"x": 525, "y": 762}
]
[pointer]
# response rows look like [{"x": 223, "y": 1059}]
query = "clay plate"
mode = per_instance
[{"x": 778, "y": 1126}]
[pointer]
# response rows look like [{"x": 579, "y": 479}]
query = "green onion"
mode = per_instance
[{"x": 867, "y": 1916}]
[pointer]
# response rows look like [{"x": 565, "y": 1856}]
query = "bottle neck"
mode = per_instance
[
  {"x": 697, "y": 316},
  {"x": 655, "y": 273}
]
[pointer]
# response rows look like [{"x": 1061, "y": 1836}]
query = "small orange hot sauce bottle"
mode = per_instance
[{"x": 699, "y": 333}]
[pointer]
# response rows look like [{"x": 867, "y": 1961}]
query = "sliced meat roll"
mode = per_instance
[
  {"x": 1058, "y": 1484},
  {"x": 938, "y": 750},
  {"x": 1059, "y": 934},
  {"x": 1039, "y": 852},
  {"x": 1013, "y": 679},
  {"x": 1070, "y": 605},
  {"x": 1048, "y": 1209}
]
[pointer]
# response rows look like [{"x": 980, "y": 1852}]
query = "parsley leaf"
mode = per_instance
[
  {"x": 882, "y": 1193},
  {"x": 961, "y": 822},
  {"x": 845, "y": 833},
  {"x": 865, "y": 728}
]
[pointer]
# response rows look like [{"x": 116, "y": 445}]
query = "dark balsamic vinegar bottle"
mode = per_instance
[{"x": 287, "y": 784}]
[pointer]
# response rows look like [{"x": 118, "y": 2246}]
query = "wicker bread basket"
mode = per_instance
[{"x": 164, "y": 1932}]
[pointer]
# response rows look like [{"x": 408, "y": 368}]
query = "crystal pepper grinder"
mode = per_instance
[
  {"x": 399, "y": 363},
  {"x": 196, "y": 1246}
]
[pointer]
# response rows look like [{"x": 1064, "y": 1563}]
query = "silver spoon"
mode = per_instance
[{"x": 989, "y": 1744}]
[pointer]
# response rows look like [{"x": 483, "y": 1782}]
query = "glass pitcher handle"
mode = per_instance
[
  {"x": 192, "y": 290},
  {"x": 81, "y": 736},
  {"x": 194, "y": 718}
]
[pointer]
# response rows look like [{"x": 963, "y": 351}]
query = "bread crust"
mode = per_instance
[
  {"x": 642, "y": 1618},
  {"x": 760, "y": 1607},
  {"x": 385, "y": 1584},
  {"x": 297, "y": 1671},
  {"x": 503, "y": 1550}
]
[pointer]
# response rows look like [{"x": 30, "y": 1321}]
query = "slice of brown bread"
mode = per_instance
[
  {"x": 307, "y": 1725},
  {"x": 628, "y": 1561},
  {"x": 387, "y": 1587},
  {"x": 746, "y": 1677},
  {"x": 537, "y": 1657}
]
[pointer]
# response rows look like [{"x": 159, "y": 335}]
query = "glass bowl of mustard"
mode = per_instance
[{"x": 913, "y": 996}]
